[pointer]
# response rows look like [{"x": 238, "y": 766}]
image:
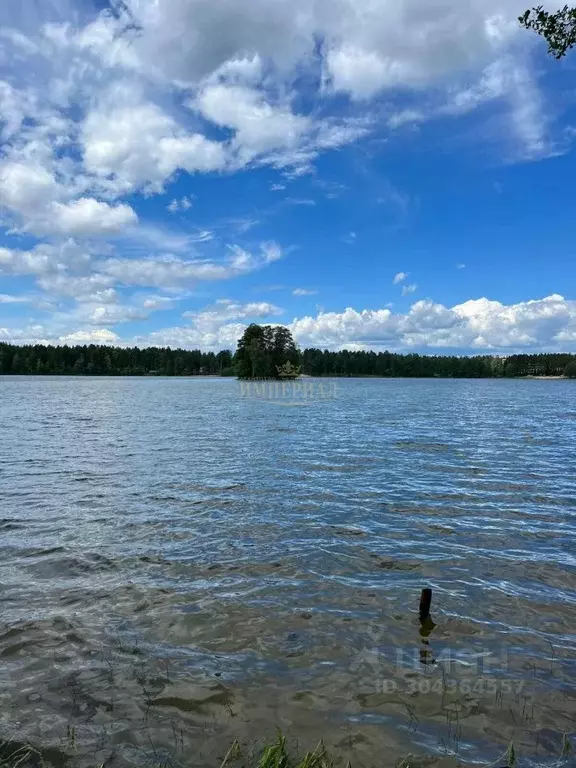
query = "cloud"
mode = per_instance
[
  {"x": 25, "y": 187},
  {"x": 367, "y": 46},
  {"x": 406, "y": 117},
  {"x": 148, "y": 238},
  {"x": 303, "y": 292},
  {"x": 244, "y": 70},
  {"x": 15, "y": 105},
  {"x": 171, "y": 271},
  {"x": 32, "y": 194},
  {"x": 67, "y": 269},
  {"x": 242, "y": 224},
  {"x": 226, "y": 309},
  {"x": 159, "y": 302},
  {"x": 39, "y": 334},
  {"x": 168, "y": 271},
  {"x": 183, "y": 204},
  {"x": 399, "y": 277},
  {"x": 101, "y": 336},
  {"x": 460, "y": 265},
  {"x": 410, "y": 288},
  {"x": 509, "y": 79},
  {"x": 202, "y": 236},
  {"x": 109, "y": 314},
  {"x": 84, "y": 288},
  {"x": 258, "y": 126},
  {"x": 212, "y": 327},
  {"x": 267, "y": 130},
  {"x": 414, "y": 44},
  {"x": 17, "y": 262},
  {"x": 271, "y": 252},
  {"x": 475, "y": 326},
  {"x": 7, "y": 299},
  {"x": 130, "y": 143},
  {"x": 87, "y": 217},
  {"x": 300, "y": 201},
  {"x": 222, "y": 337}
]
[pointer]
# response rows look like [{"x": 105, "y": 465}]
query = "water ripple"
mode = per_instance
[{"x": 178, "y": 559}]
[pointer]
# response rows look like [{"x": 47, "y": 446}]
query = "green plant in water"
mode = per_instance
[
  {"x": 566, "y": 746},
  {"x": 275, "y": 755},
  {"x": 511, "y": 756}
]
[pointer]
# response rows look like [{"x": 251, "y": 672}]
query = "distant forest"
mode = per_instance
[{"x": 95, "y": 360}]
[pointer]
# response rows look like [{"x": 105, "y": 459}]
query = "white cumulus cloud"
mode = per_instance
[
  {"x": 131, "y": 143},
  {"x": 215, "y": 327},
  {"x": 101, "y": 336},
  {"x": 475, "y": 326},
  {"x": 87, "y": 216}
]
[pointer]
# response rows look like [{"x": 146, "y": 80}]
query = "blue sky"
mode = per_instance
[{"x": 373, "y": 174}]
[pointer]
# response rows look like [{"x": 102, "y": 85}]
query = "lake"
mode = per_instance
[{"x": 188, "y": 561}]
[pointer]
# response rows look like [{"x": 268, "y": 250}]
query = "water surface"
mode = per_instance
[{"x": 182, "y": 565}]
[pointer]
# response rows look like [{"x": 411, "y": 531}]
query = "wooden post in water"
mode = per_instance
[
  {"x": 426, "y": 626},
  {"x": 425, "y": 603}
]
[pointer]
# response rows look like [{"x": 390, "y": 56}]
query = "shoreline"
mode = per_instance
[{"x": 303, "y": 377}]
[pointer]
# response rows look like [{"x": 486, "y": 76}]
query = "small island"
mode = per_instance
[{"x": 267, "y": 352}]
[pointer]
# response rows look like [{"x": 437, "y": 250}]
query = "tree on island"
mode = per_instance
[
  {"x": 267, "y": 352},
  {"x": 570, "y": 370},
  {"x": 557, "y": 28}
]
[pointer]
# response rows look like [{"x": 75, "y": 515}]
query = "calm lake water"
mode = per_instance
[{"x": 183, "y": 562}]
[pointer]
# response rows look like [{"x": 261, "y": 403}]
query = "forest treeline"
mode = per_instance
[
  {"x": 316, "y": 362},
  {"x": 157, "y": 361},
  {"x": 98, "y": 360}
]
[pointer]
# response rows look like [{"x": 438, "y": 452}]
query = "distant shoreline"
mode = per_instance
[
  {"x": 304, "y": 377},
  {"x": 102, "y": 360}
]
